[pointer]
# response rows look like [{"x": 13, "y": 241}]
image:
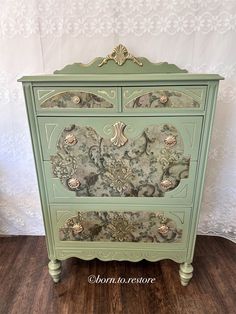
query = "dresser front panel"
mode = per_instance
[
  {"x": 61, "y": 100},
  {"x": 127, "y": 158},
  {"x": 163, "y": 98},
  {"x": 151, "y": 226}
]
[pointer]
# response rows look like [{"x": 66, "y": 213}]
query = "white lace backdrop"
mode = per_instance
[{"x": 40, "y": 36}]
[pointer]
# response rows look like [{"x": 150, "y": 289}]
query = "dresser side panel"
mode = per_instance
[
  {"x": 201, "y": 169},
  {"x": 39, "y": 168}
]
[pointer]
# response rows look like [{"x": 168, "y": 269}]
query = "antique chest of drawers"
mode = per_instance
[{"x": 120, "y": 148}]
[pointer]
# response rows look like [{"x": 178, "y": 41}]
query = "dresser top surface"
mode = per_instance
[{"x": 120, "y": 77}]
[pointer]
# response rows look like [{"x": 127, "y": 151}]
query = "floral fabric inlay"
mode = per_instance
[
  {"x": 120, "y": 227},
  {"x": 144, "y": 167},
  {"x": 163, "y": 99},
  {"x": 76, "y": 100}
]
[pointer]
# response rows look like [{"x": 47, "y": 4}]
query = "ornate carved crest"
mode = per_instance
[{"x": 120, "y": 54}]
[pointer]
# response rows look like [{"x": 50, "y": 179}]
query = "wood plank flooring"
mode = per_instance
[{"x": 27, "y": 288}]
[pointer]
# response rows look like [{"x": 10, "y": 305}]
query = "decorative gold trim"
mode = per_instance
[
  {"x": 119, "y": 139},
  {"x": 132, "y": 94},
  {"x": 162, "y": 217},
  {"x": 118, "y": 175},
  {"x": 45, "y": 94},
  {"x": 112, "y": 94},
  {"x": 120, "y": 54},
  {"x": 120, "y": 228}
]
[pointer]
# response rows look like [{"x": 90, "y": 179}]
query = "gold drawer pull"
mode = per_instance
[
  {"x": 163, "y": 229},
  {"x": 70, "y": 139},
  {"x": 76, "y": 99},
  {"x": 163, "y": 99},
  {"x": 166, "y": 184},
  {"x": 170, "y": 140},
  {"x": 73, "y": 183},
  {"x": 77, "y": 228}
]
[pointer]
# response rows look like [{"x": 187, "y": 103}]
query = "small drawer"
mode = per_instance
[
  {"x": 81, "y": 225},
  {"x": 73, "y": 99},
  {"x": 163, "y": 98}
]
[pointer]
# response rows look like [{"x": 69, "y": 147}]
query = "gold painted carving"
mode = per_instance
[
  {"x": 120, "y": 54},
  {"x": 120, "y": 228},
  {"x": 111, "y": 94},
  {"x": 119, "y": 139},
  {"x": 118, "y": 175}
]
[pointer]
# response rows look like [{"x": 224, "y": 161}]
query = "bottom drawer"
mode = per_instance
[{"x": 106, "y": 225}]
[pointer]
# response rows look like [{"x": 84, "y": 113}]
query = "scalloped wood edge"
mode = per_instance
[
  {"x": 129, "y": 67},
  {"x": 122, "y": 254}
]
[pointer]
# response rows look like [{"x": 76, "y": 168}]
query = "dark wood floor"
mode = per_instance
[{"x": 26, "y": 287}]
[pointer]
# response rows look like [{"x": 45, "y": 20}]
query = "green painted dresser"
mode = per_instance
[{"x": 120, "y": 147}]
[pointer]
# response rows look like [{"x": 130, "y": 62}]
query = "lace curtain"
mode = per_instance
[{"x": 40, "y": 36}]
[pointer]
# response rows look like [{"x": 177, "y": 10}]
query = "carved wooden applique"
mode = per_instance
[
  {"x": 119, "y": 139},
  {"x": 120, "y": 54}
]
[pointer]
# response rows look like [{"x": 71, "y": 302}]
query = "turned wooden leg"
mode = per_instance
[
  {"x": 186, "y": 273},
  {"x": 54, "y": 268}
]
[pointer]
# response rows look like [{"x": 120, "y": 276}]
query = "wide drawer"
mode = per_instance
[
  {"x": 163, "y": 98},
  {"x": 155, "y": 227},
  {"x": 136, "y": 135},
  {"x": 182, "y": 194},
  {"x": 61, "y": 100},
  {"x": 133, "y": 157}
]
